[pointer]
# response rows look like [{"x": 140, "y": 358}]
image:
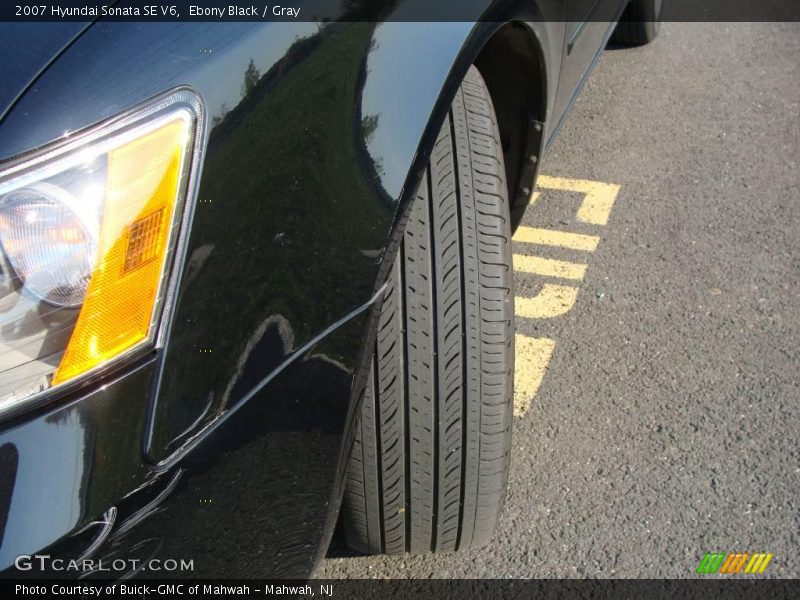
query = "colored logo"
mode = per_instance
[{"x": 732, "y": 563}]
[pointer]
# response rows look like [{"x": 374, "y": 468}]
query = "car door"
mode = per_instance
[{"x": 587, "y": 28}]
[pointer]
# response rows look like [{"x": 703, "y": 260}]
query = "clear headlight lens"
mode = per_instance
[
  {"x": 47, "y": 244},
  {"x": 87, "y": 235}
]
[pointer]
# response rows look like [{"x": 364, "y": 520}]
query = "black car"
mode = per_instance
[{"x": 256, "y": 278}]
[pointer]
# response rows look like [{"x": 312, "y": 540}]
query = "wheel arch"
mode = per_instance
[
  {"x": 512, "y": 64},
  {"x": 519, "y": 59}
]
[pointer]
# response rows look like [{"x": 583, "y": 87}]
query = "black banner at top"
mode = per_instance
[{"x": 378, "y": 10}]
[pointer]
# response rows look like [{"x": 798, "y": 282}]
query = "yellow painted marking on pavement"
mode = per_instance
[
  {"x": 534, "y": 198},
  {"x": 598, "y": 201},
  {"x": 533, "y": 354},
  {"x": 549, "y": 267},
  {"x": 532, "y": 357},
  {"x": 552, "y": 301},
  {"x": 563, "y": 239}
]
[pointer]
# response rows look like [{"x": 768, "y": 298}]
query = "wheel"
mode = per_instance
[
  {"x": 429, "y": 465},
  {"x": 639, "y": 24}
]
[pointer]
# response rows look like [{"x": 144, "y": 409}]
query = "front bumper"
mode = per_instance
[{"x": 256, "y": 497}]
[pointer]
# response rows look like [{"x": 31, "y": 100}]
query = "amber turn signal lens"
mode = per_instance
[{"x": 142, "y": 191}]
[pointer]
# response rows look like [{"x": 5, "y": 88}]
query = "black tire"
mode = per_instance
[
  {"x": 639, "y": 23},
  {"x": 429, "y": 466}
]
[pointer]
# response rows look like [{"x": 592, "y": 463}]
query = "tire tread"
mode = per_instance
[{"x": 429, "y": 464}]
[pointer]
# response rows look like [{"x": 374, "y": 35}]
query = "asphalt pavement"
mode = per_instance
[{"x": 662, "y": 417}]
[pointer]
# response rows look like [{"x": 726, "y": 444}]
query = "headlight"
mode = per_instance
[
  {"x": 88, "y": 233},
  {"x": 47, "y": 243}
]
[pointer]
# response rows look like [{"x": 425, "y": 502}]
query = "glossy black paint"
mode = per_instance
[
  {"x": 75, "y": 462},
  {"x": 227, "y": 447},
  {"x": 27, "y": 49}
]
